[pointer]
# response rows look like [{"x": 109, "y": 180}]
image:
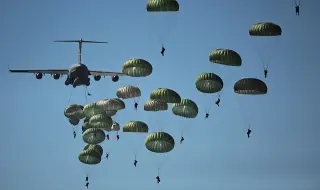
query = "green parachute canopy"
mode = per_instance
[
  {"x": 111, "y": 104},
  {"x": 165, "y": 94},
  {"x": 155, "y": 105},
  {"x": 90, "y": 157},
  {"x": 265, "y": 29},
  {"x": 135, "y": 127},
  {"x": 128, "y": 92},
  {"x": 95, "y": 147},
  {"x": 86, "y": 126},
  {"x": 137, "y": 68},
  {"x": 250, "y": 86},
  {"x": 110, "y": 113},
  {"x": 93, "y": 136},
  {"x": 121, "y": 103},
  {"x": 159, "y": 142},
  {"x": 74, "y": 111},
  {"x": 225, "y": 57},
  {"x": 92, "y": 109},
  {"x": 209, "y": 83},
  {"x": 162, "y": 6},
  {"x": 101, "y": 121},
  {"x": 186, "y": 108}
]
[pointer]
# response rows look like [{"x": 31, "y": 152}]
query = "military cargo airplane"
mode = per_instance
[{"x": 78, "y": 74}]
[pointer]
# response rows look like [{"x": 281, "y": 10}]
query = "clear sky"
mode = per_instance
[{"x": 37, "y": 147}]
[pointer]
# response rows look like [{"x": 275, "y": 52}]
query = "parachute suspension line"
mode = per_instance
[
  {"x": 260, "y": 54},
  {"x": 296, "y": 3},
  {"x": 266, "y": 64},
  {"x": 157, "y": 120},
  {"x": 136, "y": 100},
  {"x": 228, "y": 80},
  {"x": 208, "y": 105},
  {"x": 85, "y": 94},
  {"x": 163, "y": 24},
  {"x": 183, "y": 131},
  {"x": 246, "y": 121},
  {"x": 162, "y": 161},
  {"x": 158, "y": 171},
  {"x": 135, "y": 155},
  {"x": 70, "y": 95}
]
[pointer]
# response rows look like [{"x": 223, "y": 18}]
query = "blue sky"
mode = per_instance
[{"x": 39, "y": 152}]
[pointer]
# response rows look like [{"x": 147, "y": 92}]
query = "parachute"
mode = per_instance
[
  {"x": 265, "y": 36},
  {"x": 209, "y": 83},
  {"x": 186, "y": 108},
  {"x": 159, "y": 142},
  {"x": 162, "y": 15},
  {"x": 74, "y": 111},
  {"x": 229, "y": 58},
  {"x": 137, "y": 131},
  {"x": 95, "y": 147},
  {"x": 265, "y": 29},
  {"x": 86, "y": 126},
  {"x": 226, "y": 57},
  {"x": 135, "y": 127},
  {"x": 155, "y": 105},
  {"x": 250, "y": 86},
  {"x": 137, "y": 68},
  {"x": 101, "y": 121},
  {"x": 93, "y": 136},
  {"x": 162, "y": 6},
  {"x": 111, "y": 104},
  {"x": 90, "y": 156},
  {"x": 165, "y": 94},
  {"x": 92, "y": 109},
  {"x": 128, "y": 92}
]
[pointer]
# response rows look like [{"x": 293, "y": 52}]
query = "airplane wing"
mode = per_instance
[
  {"x": 48, "y": 71},
  {"x": 106, "y": 73}
]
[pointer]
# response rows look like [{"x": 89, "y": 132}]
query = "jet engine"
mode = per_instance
[
  {"x": 56, "y": 76},
  {"x": 115, "y": 78},
  {"x": 97, "y": 77},
  {"x": 39, "y": 75}
]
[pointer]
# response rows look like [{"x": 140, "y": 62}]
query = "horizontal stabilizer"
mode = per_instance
[{"x": 81, "y": 41}]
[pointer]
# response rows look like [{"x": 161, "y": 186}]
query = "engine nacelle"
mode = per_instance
[
  {"x": 97, "y": 77},
  {"x": 115, "y": 78},
  {"x": 39, "y": 75},
  {"x": 56, "y": 76}
]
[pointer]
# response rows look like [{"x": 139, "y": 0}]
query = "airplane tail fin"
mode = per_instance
[{"x": 80, "y": 45}]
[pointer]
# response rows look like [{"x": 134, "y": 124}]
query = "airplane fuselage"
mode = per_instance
[{"x": 78, "y": 75}]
